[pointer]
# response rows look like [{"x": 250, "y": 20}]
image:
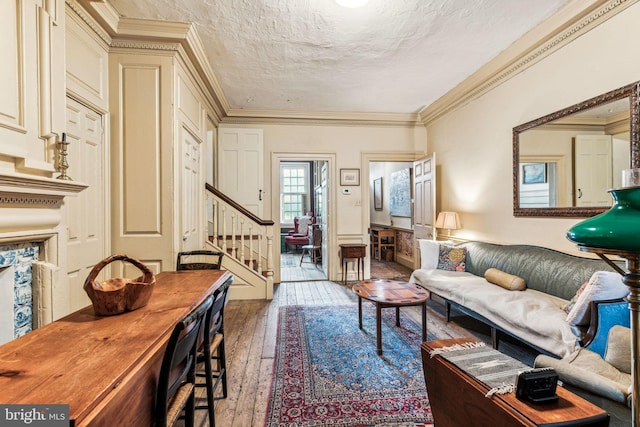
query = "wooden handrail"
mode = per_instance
[{"x": 235, "y": 205}]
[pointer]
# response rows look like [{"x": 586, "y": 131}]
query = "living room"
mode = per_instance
[{"x": 469, "y": 128}]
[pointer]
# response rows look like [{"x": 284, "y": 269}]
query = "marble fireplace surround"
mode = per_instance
[{"x": 31, "y": 222}]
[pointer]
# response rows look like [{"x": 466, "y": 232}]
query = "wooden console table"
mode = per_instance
[
  {"x": 104, "y": 368},
  {"x": 458, "y": 399}
]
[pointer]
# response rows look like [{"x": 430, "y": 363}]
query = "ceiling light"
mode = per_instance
[{"x": 352, "y": 3}]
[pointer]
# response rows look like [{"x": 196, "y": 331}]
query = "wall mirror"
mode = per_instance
[{"x": 565, "y": 163}]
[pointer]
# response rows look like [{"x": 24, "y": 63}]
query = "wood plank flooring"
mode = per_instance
[{"x": 250, "y": 330}]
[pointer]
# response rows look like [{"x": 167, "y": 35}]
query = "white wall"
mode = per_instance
[
  {"x": 346, "y": 144},
  {"x": 473, "y": 144}
]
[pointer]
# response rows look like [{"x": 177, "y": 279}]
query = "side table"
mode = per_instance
[{"x": 355, "y": 251}]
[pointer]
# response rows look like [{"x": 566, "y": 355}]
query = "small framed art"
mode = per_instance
[{"x": 349, "y": 177}]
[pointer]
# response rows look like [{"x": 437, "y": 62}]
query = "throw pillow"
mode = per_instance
[
  {"x": 572, "y": 302},
  {"x": 505, "y": 280},
  {"x": 618, "y": 351},
  {"x": 603, "y": 285},
  {"x": 452, "y": 258},
  {"x": 429, "y": 251}
]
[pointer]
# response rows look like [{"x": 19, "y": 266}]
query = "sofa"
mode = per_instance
[{"x": 540, "y": 289}]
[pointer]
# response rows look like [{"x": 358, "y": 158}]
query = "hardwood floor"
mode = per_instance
[{"x": 250, "y": 330}]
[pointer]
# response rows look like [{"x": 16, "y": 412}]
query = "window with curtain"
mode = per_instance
[{"x": 294, "y": 191}]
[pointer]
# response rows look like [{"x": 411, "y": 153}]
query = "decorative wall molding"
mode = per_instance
[
  {"x": 82, "y": 14},
  {"x": 311, "y": 118},
  {"x": 145, "y": 44},
  {"x": 511, "y": 62},
  {"x": 30, "y": 201},
  {"x": 26, "y": 184}
]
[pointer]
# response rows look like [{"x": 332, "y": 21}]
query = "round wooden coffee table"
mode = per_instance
[{"x": 391, "y": 293}]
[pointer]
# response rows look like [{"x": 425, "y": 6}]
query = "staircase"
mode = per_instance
[{"x": 248, "y": 242}]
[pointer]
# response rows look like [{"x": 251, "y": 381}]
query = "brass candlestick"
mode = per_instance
[{"x": 63, "y": 165}]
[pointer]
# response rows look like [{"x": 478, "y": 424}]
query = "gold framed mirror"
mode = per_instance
[{"x": 564, "y": 163}]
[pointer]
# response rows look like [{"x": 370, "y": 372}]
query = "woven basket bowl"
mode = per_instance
[{"x": 118, "y": 295}]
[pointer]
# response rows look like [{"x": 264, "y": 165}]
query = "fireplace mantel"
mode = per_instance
[{"x": 28, "y": 202}]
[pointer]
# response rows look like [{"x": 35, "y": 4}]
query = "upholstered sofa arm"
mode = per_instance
[{"x": 604, "y": 315}]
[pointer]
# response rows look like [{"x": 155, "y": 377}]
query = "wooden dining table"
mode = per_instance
[{"x": 104, "y": 367}]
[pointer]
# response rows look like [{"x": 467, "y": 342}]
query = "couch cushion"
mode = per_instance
[
  {"x": 505, "y": 280},
  {"x": 618, "y": 352},
  {"x": 452, "y": 258},
  {"x": 533, "y": 316},
  {"x": 572, "y": 302},
  {"x": 429, "y": 251}
]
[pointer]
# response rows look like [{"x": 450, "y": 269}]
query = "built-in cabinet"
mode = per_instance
[{"x": 158, "y": 146}]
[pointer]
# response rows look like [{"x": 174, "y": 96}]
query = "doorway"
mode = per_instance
[
  {"x": 301, "y": 191},
  {"x": 376, "y": 197}
]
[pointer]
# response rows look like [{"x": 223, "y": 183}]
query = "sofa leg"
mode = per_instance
[
  {"x": 494, "y": 338},
  {"x": 447, "y": 311}
]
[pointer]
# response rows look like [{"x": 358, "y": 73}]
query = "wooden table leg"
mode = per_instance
[
  {"x": 360, "y": 312},
  {"x": 398, "y": 316},
  {"x": 424, "y": 321},
  {"x": 379, "y": 328}
]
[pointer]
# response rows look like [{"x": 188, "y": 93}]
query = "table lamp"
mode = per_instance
[
  {"x": 617, "y": 232},
  {"x": 448, "y": 220}
]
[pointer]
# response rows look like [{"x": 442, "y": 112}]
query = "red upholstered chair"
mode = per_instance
[{"x": 301, "y": 231}]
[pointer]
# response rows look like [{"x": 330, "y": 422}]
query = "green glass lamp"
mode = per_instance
[
  {"x": 617, "y": 232},
  {"x": 617, "y": 229}
]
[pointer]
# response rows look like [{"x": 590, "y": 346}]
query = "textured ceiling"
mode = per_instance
[{"x": 390, "y": 56}]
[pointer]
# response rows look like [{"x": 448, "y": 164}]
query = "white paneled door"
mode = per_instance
[
  {"x": 593, "y": 166},
  {"x": 424, "y": 193},
  {"x": 86, "y": 212},
  {"x": 192, "y": 193},
  {"x": 240, "y": 167}
]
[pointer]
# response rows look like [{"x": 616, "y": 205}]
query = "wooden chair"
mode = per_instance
[
  {"x": 177, "y": 380},
  {"x": 211, "y": 349},
  {"x": 199, "y": 260},
  {"x": 314, "y": 250}
]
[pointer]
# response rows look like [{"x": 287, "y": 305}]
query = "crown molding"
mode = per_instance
[
  {"x": 80, "y": 12},
  {"x": 149, "y": 34},
  {"x": 242, "y": 116},
  {"x": 572, "y": 21}
]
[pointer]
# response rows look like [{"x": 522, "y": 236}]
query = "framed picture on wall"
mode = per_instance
[
  {"x": 534, "y": 173},
  {"x": 349, "y": 177},
  {"x": 377, "y": 194}
]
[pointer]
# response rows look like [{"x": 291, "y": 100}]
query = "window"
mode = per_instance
[{"x": 294, "y": 191}]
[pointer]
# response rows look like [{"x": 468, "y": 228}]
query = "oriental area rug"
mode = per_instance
[{"x": 327, "y": 371}]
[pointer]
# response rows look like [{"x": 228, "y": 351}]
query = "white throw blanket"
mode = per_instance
[{"x": 531, "y": 315}]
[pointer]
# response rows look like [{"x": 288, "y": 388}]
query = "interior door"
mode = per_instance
[
  {"x": 86, "y": 226},
  {"x": 594, "y": 176},
  {"x": 191, "y": 193},
  {"x": 240, "y": 166},
  {"x": 424, "y": 206}
]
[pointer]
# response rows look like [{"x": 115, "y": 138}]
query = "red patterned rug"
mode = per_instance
[{"x": 327, "y": 371}]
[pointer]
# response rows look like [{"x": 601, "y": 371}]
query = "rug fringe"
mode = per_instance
[
  {"x": 456, "y": 347},
  {"x": 504, "y": 389}
]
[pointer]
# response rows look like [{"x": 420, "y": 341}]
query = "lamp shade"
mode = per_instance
[
  {"x": 448, "y": 220},
  {"x": 618, "y": 228}
]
